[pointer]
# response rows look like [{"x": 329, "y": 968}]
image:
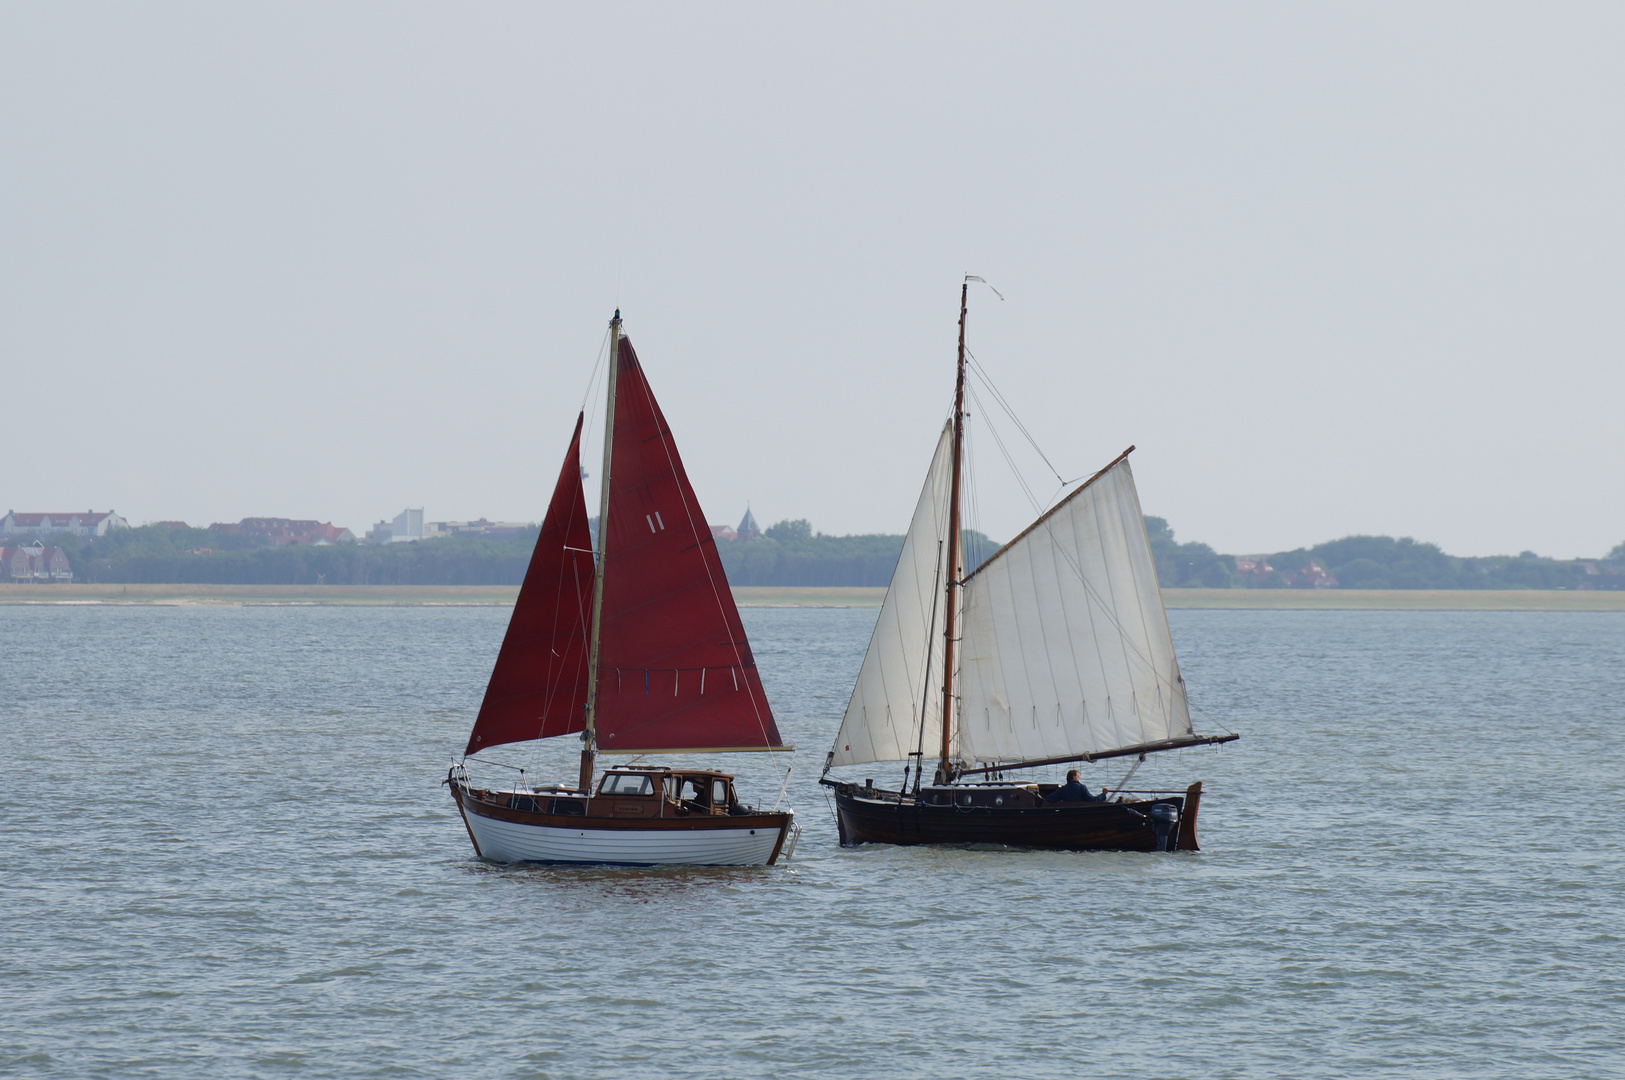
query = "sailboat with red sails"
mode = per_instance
[
  {"x": 636, "y": 647},
  {"x": 1053, "y": 650}
]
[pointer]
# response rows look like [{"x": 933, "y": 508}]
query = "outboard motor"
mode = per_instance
[{"x": 1164, "y": 816}]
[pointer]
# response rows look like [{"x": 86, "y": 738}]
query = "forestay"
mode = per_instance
[
  {"x": 1066, "y": 649},
  {"x": 539, "y": 683},
  {"x": 883, "y": 719}
]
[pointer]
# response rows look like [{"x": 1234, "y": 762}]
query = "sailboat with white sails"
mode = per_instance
[
  {"x": 635, "y": 646},
  {"x": 1054, "y": 649}
]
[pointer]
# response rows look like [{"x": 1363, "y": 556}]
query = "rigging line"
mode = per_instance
[
  {"x": 925, "y": 697},
  {"x": 1015, "y": 471},
  {"x": 971, "y": 520},
  {"x": 1022, "y": 428},
  {"x": 551, "y": 685},
  {"x": 981, "y": 373},
  {"x": 592, "y": 378},
  {"x": 925, "y": 617},
  {"x": 973, "y": 495},
  {"x": 593, "y": 390},
  {"x": 892, "y": 613},
  {"x": 1008, "y": 457},
  {"x": 556, "y": 677}
]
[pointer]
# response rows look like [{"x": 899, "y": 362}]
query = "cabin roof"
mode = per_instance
[{"x": 646, "y": 770}]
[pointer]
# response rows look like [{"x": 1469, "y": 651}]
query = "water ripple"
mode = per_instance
[{"x": 228, "y": 855}]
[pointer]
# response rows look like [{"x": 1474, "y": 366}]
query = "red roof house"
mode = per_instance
[
  {"x": 34, "y": 564},
  {"x": 280, "y": 532},
  {"x": 88, "y": 523}
]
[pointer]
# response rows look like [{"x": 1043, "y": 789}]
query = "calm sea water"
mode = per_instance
[{"x": 226, "y": 854}]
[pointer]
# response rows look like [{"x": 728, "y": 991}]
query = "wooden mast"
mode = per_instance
[
  {"x": 589, "y": 744},
  {"x": 943, "y": 775}
]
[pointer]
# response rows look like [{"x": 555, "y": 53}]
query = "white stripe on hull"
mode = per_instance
[{"x": 512, "y": 841}]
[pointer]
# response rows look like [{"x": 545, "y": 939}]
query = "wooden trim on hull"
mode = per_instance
[
  {"x": 503, "y": 834},
  {"x": 1068, "y": 827},
  {"x": 472, "y": 839},
  {"x": 1187, "y": 818},
  {"x": 697, "y": 750}
]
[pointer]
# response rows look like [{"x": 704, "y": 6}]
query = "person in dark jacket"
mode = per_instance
[{"x": 1073, "y": 791}]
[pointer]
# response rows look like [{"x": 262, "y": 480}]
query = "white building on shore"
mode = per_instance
[
  {"x": 409, "y": 525},
  {"x": 86, "y": 524}
]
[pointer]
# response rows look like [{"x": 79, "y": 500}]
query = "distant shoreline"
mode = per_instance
[
  {"x": 792, "y": 596},
  {"x": 1391, "y": 600},
  {"x": 807, "y": 597},
  {"x": 379, "y": 595}
]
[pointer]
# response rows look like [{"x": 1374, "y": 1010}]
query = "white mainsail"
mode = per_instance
[
  {"x": 894, "y": 690},
  {"x": 1066, "y": 649}
]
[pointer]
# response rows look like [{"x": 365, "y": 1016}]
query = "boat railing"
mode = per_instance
[{"x": 514, "y": 779}]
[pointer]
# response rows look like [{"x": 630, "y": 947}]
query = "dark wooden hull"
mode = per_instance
[{"x": 868, "y": 816}]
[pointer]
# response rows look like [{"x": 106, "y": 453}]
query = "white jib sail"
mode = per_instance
[
  {"x": 883, "y": 720},
  {"x": 1066, "y": 649}
]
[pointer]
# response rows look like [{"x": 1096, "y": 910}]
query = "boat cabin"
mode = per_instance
[
  {"x": 659, "y": 792},
  {"x": 630, "y": 792}
]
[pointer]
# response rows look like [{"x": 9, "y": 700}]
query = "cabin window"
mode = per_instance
[
  {"x": 625, "y": 784},
  {"x": 719, "y": 793}
]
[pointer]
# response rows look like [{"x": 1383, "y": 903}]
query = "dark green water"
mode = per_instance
[{"x": 226, "y": 854}]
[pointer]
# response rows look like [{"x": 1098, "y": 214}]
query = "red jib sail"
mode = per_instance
[
  {"x": 538, "y": 688},
  {"x": 674, "y": 670}
]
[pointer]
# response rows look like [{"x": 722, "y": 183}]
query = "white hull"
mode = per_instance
[{"x": 511, "y": 841}]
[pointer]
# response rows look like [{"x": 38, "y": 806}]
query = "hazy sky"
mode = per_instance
[{"x": 1334, "y": 268}]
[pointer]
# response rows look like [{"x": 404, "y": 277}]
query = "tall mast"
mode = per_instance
[
  {"x": 589, "y": 744},
  {"x": 953, "y": 547}
]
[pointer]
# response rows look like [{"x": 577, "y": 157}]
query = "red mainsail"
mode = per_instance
[
  {"x": 674, "y": 670},
  {"x": 538, "y": 688}
]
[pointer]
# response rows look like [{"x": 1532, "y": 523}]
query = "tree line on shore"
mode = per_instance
[
  {"x": 1374, "y": 562},
  {"x": 790, "y": 553},
  {"x": 163, "y": 554}
]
